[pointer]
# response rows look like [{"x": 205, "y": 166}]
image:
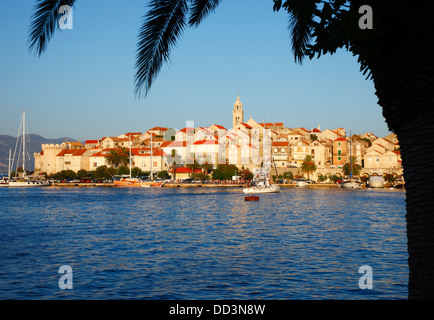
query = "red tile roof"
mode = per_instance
[
  {"x": 73, "y": 152},
  {"x": 186, "y": 170},
  {"x": 174, "y": 144},
  {"x": 219, "y": 126},
  {"x": 158, "y": 128},
  {"x": 280, "y": 144},
  {"x": 201, "y": 142},
  {"x": 340, "y": 139},
  {"x": 246, "y": 125}
]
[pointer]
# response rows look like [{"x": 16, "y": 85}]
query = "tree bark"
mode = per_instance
[{"x": 403, "y": 77}]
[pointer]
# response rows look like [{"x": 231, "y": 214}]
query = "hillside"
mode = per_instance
[{"x": 34, "y": 142}]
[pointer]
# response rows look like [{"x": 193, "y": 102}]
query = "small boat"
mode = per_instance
[
  {"x": 376, "y": 182},
  {"x": 262, "y": 184},
  {"x": 351, "y": 184},
  {"x": 399, "y": 183},
  {"x": 28, "y": 183},
  {"x": 4, "y": 182},
  {"x": 251, "y": 198},
  {"x": 136, "y": 182},
  {"x": 262, "y": 187},
  {"x": 301, "y": 183}
]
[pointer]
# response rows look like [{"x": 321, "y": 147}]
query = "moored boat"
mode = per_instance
[
  {"x": 351, "y": 184},
  {"x": 376, "y": 182},
  {"x": 262, "y": 187},
  {"x": 28, "y": 183},
  {"x": 301, "y": 183}
]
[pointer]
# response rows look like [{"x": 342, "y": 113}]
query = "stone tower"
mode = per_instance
[{"x": 237, "y": 113}]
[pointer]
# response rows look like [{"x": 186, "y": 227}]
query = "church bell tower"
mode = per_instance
[{"x": 237, "y": 113}]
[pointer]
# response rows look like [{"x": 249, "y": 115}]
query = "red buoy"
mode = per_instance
[{"x": 251, "y": 198}]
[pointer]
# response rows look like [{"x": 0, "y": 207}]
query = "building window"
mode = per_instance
[
  {"x": 339, "y": 158},
  {"x": 339, "y": 152},
  {"x": 95, "y": 164}
]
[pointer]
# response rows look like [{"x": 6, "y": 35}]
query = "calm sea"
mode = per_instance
[{"x": 202, "y": 243}]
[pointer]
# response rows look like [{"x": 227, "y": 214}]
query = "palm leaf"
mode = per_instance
[
  {"x": 163, "y": 25},
  {"x": 44, "y": 22},
  {"x": 200, "y": 9},
  {"x": 301, "y": 13}
]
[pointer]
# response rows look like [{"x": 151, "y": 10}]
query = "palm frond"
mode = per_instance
[
  {"x": 200, "y": 9},
  {"x": 301, "y": 13},
  {"x": 163, "y": 25},
  {"x": 44, "y": 22}
]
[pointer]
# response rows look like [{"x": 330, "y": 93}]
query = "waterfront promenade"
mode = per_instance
[{"x": 188, "y": 185}]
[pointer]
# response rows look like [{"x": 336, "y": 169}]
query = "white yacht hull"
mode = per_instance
[
  {"x": 301, "y": 184},
  {"x": 351, "y": 185},
  {"x": 256, "y": 190},
  {"x": 27, "y": 184},
  {"x": 376, "y": 182}
]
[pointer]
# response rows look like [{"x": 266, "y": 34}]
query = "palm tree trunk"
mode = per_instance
[
  {"x": 416, "y": 152},
  {"x": 404, "y": 84}
]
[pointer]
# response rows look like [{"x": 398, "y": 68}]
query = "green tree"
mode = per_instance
[
  {"x": 163, "y": 174},
  {"x": 136, "y": 172},
  {"x": 82, "y": 174},
  {"x": 113, "y": 158},
  {"x": 288, "y": 175},
  {"x": 346, "y": 168},
  {"x": 395, "y": 58},
  {"x": 207, "y": 167},
  {"x": 123, "y": 170},
  {"x": 224, "y": 172},
  {"x": 308, "y": 165},
  {"x": 322, "y": 178},
  {"x": 246, "y": 174}
]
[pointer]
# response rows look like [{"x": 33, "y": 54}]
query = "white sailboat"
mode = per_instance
[
  {"x": 351, "y": 183},
  {"x": 263, "y": 184},
  {"x": 24, "y": 181}
]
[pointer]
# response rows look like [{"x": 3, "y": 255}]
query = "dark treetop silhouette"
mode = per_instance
[{"x": 393, "y": 54}]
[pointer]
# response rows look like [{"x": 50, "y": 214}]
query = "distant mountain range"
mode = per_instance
[{"x": 33, "y": 142}]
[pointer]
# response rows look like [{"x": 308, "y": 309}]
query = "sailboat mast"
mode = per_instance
[
  {"x": 9, "y": 167},
  {"x": 24, "y": 143},
  {"x": 351, "y": 158},
  {"x": 130, "y": 153},
  {"x": 152, "y": 168}
]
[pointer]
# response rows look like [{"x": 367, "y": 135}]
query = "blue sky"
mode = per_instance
[{"x": 83, "y": 86}]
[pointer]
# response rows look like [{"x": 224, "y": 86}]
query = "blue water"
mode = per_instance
[{"x": 202, "y": 243}]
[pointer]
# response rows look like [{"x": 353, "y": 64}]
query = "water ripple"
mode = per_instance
[{"x": 182, "y": 243}]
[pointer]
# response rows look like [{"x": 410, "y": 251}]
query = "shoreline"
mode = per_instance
[{"x": 183, "y": 185}]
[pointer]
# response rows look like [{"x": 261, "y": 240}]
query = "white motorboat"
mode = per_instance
[
  {"x": 376, "y": 182},
  {"x": 301, "y": 183},
  {"x": 262, "y": 187},
  {"x": 351, "y": 184}
]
